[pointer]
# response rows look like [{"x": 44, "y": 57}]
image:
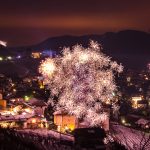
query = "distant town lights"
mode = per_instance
[
  {"x": 9, "y": 58},
  {"x": 135, "y": 101},
  {"x": 14, "y": 90},
  {"x": 123, "y": 120},
  {"x": 18, "y": 57},
  {"x": 1, "y": 58},
  {"x": 26, "y": 98}
]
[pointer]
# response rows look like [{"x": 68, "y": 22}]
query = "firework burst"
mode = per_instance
[{"x": 84, "y": 80}]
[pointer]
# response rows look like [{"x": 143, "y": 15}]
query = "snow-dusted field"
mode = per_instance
[
  {"x": 132, "y": 139},
  {"x": 47, "y": 139},
  {"x": 15, "y": 117},
  {"x": 47, "y": 133}
]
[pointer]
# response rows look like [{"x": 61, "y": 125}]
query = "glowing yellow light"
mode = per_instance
[
  {"x": 36, "y": 55},
  {"x": 41, "y": 86},
  {"x": 4, "y": 125},
  {"x": 72, "y": 127},
  {"x": 14, "y": 90},
  {"x": 135, "y": 101},
  {"x": 33, "y": 120},
  {"x": 1, "y": 58},
  {"x": 28, "y": 110},
  {"x": 66, "y": 128},
  {"x": 26, "y": 98},
  {"x": 123, "y": 121},
  {"x": 17, "y": 109},
  {"x": 59, "y": 128},
  {"x": 107, "y": 101}
]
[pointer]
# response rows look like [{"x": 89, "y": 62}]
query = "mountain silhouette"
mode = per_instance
[{"x": 129, "y": 47}]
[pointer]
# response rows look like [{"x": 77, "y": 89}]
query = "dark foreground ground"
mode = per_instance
[{"x": 12, "y": 140}]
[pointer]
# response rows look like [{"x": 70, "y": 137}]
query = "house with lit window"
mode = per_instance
[
  {"x": 66, "y": 122},
  {"x": 3, "y": 103},
  {"x": 139, "y": 102}
]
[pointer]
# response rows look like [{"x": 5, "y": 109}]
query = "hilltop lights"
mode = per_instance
[
  {"x": 9, "y": 58},
  {"x": 83, "y": 80},
  {"x": 18, "y": 57}
]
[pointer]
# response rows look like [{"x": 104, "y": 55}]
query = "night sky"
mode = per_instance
[{"x": 25, "y": 22}]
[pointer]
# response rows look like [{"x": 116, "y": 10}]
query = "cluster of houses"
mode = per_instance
[
  {"x": 30, "y": 114},
  {"x": 19, "y": 113}
]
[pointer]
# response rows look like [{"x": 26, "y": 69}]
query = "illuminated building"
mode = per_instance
[
  {"x": 49, "y": 53},
  {"x": 35, "y": 122},
  {"x": 138, "y": 102},
  {"x": 3, "y": 103},
  {"x": 36, "y": 55},
  {"x": 65, "y": 122},
  {"x": 135, "y": 101},
  {"x": 10, "y": 124}
]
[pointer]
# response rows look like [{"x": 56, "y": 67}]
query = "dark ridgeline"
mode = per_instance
[{"x": 130, "y": 47}]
